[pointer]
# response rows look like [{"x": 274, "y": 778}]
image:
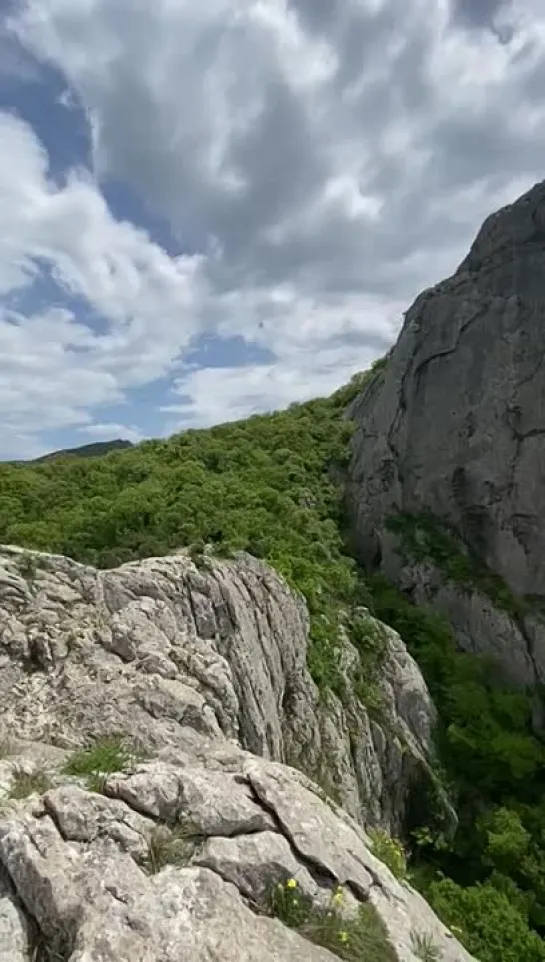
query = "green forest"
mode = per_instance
[{"x": 270, "y": 485}]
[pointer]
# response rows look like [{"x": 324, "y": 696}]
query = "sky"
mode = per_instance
[{"x": 211, "y": 209}]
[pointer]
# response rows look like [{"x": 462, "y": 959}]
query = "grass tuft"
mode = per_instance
[
  {"x": 29, "y": 783},
  {"x": 171, "y": 846},
  {"x": 106, "y": 757},
  {"x": 355, "y": 939},
  {"x": 424, "y": 948}
]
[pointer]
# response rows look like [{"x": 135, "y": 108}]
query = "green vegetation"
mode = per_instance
[
  {"x": 369, "y": 638},
  {"x": 263, "y": 485},
  {"x": 29, "y": 783},
  {"x": 171, "y": 846},
  {"x": 105, "y": 757},
  {"x": 489, "y": 879},
  {"x": 354, "y": 939},
  {"x": 28, "y": 565},
  {"x": 422, "y": 537},
  {"x": 424, "y": 948},
  {"x": 390, "y": 851},
  {"x": 266, "y": 486},
  {"x": 488, "y": 920},
  {"x": 92, "y": 450}
]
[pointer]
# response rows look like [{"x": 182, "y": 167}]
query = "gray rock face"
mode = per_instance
[
  {"x": 455, "y": 427},
  {"x": 88, "y": 870},
  {"x": 158, "y": 646},
  {"x": 175, "y": 857}
]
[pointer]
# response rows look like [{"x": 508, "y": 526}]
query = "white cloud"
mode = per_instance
[
  {"x": 323, "y": 159},
  {"x": 110, "y": 431},
  {"x": 216, "y": 394},
  {"x": 55, "y": 367},
  {"x": 238, "y": 120}
]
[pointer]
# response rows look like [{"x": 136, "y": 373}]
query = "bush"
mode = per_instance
[
  {"x": 487, "y": 922},
  {"x": 353, "y": 939}
]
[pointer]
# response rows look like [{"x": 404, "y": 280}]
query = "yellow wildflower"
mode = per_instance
[
  {"x": 338, "y": 896},
  {"x": 343, "y": 937},
  {"x": 291, "y": 883}
]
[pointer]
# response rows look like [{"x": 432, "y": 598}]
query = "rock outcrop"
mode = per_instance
[
  {"x": 163, "y": 643},
  {"x": 172, "y": 852},
  {"x": 451, "y": 440}
]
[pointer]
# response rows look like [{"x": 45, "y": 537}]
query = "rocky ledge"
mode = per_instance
[{"x": 146, "y": 812}]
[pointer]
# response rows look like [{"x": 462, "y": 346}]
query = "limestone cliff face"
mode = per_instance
[
  {"x": 160, "y": 644},
  {"x": 203, "y": 671},
  {"x": 454, "y": 428}
]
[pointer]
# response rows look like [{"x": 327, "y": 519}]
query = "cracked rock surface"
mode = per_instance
[
  {"x": 455, "y": 427},
  {"x": 156, "y": 647},
  {"x": 173, "y": 856},
  {"x": 78, "y": 864}
]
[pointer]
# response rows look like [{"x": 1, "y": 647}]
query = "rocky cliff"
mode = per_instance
[
  {"x": 447, "y": 480},
  {"x": 149, "y": 715}
]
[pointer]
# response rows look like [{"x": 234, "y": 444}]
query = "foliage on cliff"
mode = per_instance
[
  {"x": 266, "y": 485},
  {"x": 489, "y": 880}
]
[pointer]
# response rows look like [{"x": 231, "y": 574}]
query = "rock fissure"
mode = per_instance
[
  {"x": 319, "y": 872},
  {"x": 257, "y": 821},
  {"x": 493, "y": 378}
]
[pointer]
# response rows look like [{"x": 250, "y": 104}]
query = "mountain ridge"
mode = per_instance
[{"x": 92, "y": 450}]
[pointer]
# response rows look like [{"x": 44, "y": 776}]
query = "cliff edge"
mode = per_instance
[
  {"x": 447, "y": 478},
  {"x": 147, "y": 810}
]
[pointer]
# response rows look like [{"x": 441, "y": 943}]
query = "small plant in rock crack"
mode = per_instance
[
  {"x": 289, "y": 904},
  {"x": 27, "y": 564},
  {"x": 171, "y": 846},
  {"x": 105, "y": 757},
  {"x": 29, "y": 783},
  {"x": 424, "y": 948},
  {"x": 199, "y": 553},
  {"x": 47, "y": 950},
  {"x": 354, "y": 939},
  {"x": 390, "y": 851}
]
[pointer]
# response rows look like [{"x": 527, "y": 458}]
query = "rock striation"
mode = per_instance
[
  {"x": 157, "y": 645},
  {"x": 451, "y": 432},
  {"x": 172, "y": 853}
]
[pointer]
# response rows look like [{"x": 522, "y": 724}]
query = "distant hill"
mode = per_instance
[{"x": 86, "y": 450}]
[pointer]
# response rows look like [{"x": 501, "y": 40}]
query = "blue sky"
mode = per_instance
[{"x": 213, "y": 209}]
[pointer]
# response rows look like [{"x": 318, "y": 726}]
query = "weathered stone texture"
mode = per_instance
[
  {"x": 454, "y": 426},
  {"x": 174, "y": 857}
]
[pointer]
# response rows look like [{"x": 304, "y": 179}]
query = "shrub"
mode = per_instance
[
  {"x": 487, "y": 922},
  {"x": 390, "y": 851},
  {"x": 354, "y": 939}
]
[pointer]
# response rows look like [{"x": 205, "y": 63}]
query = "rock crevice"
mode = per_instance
[{"x": 197, "y": 679}]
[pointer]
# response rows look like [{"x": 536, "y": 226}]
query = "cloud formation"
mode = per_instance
[{"x": 318, "y": 164}]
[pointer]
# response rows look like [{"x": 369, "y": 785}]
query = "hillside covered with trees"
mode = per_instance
[{"x": 270, "y": 485}]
